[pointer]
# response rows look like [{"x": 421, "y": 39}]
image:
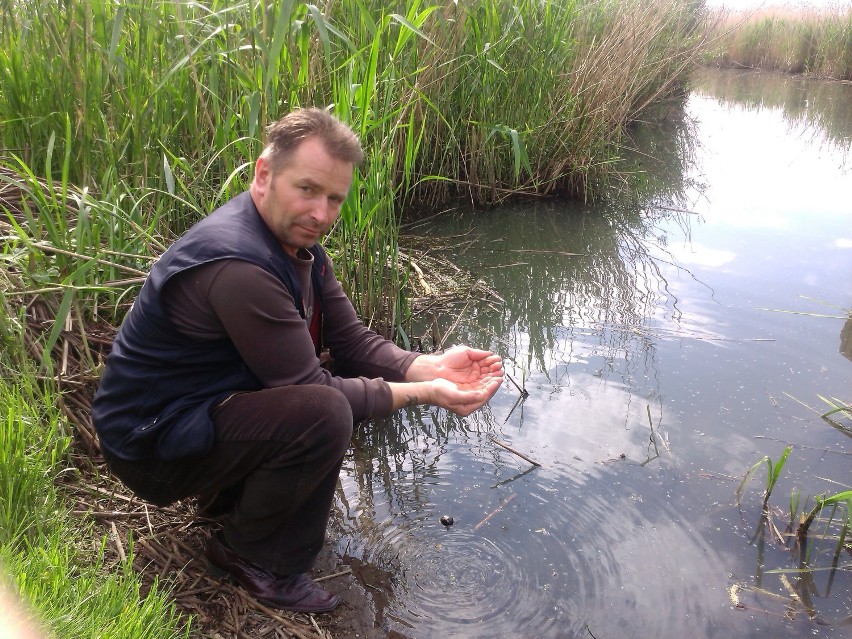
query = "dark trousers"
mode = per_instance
[{"x": 277, "y": 455}]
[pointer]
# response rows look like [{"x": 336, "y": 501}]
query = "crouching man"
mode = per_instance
[{"x": 214, "y": 386}]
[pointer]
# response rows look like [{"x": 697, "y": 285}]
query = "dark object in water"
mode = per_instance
[{"x": 447, "y": 520}]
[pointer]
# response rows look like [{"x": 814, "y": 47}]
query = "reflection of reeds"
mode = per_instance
[
  {"x": 818, "y": 110},
  {"x": 591, "y": 272},
  {"x": 558, "y": 271}
]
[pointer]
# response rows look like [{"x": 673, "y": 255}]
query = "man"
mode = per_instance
[{"x": 214, "y": 385}]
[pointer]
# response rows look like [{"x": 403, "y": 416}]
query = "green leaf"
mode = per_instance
[
  {"x": 846, "y": 495},
  {"x": 279, "y": 37},
  {"x": 117, "y": 24}
]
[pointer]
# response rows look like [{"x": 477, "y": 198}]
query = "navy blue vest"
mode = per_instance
[{"x": 158, "y": 386}]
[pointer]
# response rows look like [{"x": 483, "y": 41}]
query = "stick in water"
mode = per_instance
[
  {"x": 499, "y": 508},
  {"x": 522, "y": 391},
  {"x": 512, "y": 450}
]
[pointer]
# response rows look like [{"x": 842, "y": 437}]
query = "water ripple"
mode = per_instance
[{"x": 537, "y": 554}]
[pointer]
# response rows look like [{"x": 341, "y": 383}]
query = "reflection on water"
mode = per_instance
[
  {"x": 817, "y": 109},
  {"x": 656, "y": 377}
]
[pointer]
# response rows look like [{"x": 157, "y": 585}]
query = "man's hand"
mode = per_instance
[
  {"x": 461, "y": 380},
  {"x": 463, "y": 399},
  {"x": 461, "y": 364}
]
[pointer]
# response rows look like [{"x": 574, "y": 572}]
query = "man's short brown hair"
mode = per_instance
[{"x": 285, "y": 135}]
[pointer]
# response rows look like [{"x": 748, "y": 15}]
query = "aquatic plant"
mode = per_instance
[
  {"x": 841, "y": 498},
  {"x": 812, "y": 40},
  {"x": 773, "y": 472},
  {"x": 837, "y": 406},
  {"x": 802, "y": 520},
  {"x": 801, "y": 585}
]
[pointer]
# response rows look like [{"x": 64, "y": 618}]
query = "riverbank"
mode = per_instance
[{"x": 816, "y": 41}]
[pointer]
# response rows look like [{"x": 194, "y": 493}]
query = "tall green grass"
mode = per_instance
[
  {"x": 157, "y": 108},
  {"x": 816, "y": 41},
  {"x": 46, "y": 558}
]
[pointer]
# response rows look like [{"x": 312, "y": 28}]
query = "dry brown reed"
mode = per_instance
[{"x": 793, "y": 39}]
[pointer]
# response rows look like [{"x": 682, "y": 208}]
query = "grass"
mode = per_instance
[
  {"x": 158, "y": 107},
  {"x": 811, "y": 40},
  {"x": 831, "y": 514},
  {"x": 773, "y": 472},
  {"x": 47, "y": 558}
]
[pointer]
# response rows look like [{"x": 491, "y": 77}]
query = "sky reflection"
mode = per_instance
[{"x": 659, "y": 370}]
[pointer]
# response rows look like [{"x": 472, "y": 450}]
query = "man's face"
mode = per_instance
[{"x": 302, "y": 201}]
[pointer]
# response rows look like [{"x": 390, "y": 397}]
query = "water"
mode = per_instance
[{"x": 660, "y": 367}]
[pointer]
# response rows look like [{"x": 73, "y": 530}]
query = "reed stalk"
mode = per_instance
[
  {"x": 812, "y": 40},
  {"x": 156, "y": 110},
  {"x": 773, "y": 472}
]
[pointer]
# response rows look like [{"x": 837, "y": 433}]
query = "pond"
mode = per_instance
[{"x": 667, "y": 341}]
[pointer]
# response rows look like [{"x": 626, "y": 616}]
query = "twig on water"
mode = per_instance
[
  {"x": 522, "y": 391},
  {"x": 653, "y": 436},
  {"x": 512, "y": 450},
  {"x": 511, "y": 479},
  {"x": 497, "y": 510},
  {"x": 589, "y": 630},
  {"x": 518, "y": 402}
]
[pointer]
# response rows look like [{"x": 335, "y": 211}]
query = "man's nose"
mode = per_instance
[{"x": 321, "y": 212}]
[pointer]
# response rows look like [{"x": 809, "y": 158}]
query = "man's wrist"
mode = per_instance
[
  {"x": 406, "y": 394},
  {"x": 422, "y": 369}
]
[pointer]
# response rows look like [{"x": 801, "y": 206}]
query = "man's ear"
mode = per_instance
[{"x": 262, "y": 172}]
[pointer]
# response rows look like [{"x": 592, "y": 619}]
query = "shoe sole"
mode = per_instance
[{"x": 311, "y": 611}]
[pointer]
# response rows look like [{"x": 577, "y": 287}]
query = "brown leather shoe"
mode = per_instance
[{"x": 295, "y": 592}]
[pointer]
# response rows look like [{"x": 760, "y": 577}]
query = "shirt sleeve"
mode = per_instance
[
  {"x": 260, "y": 317},
  {"x": 356, "y": 348}
]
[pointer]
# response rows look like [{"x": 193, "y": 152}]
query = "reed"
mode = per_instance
[
  {"x": 815, "y": 41},
  {"x": 773, "y": 472},
  {"x": 156, "y": 109}
]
